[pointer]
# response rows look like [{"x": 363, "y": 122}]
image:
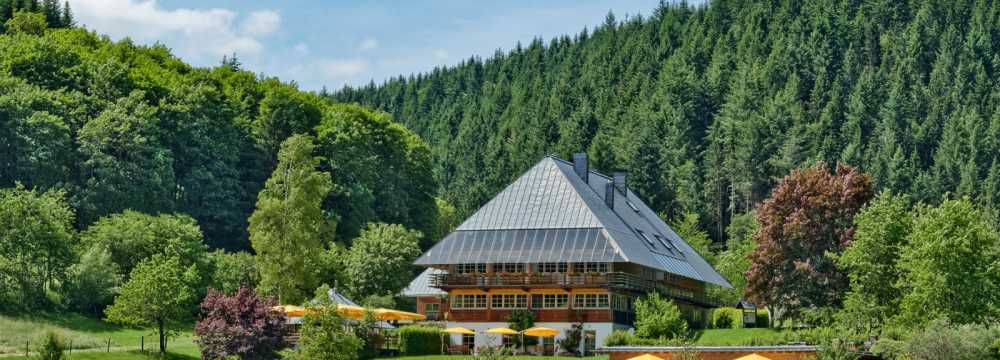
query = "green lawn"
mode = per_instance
[
  {"x": 88, "y": 334},
  {"x": 723, "y": 337},
  {"x": 457, "y": 357}
]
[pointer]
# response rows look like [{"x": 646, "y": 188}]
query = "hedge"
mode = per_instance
[{"x": 420, "y": 340}]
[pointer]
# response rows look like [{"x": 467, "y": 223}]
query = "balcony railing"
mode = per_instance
[{"x": 613, "y": 280}]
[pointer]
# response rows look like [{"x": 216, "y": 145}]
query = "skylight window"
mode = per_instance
[
  {"x": 666, "y": 243},
  {"x": 631, "y": 205},
  {"x": 646, "y": 238}
]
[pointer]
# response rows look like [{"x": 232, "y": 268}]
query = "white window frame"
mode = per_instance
[
  {"x": 591, "y": 267},
  {"x": 469, "y": 301},
  {"x": 470, "y": 268},
  {"x": 509, "y": 301},
  {"x": 510, "y": 268},
  {"x": 591, "y": 301},
  {"x": 548, "y": 267}
]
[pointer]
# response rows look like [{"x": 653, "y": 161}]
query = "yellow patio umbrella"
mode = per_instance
[
  {"x": 540, "y": 331},
  {"x": 351, "y": 311},
  {"x": 290, "y": 310},
  {"x": 390, "y": 314},
  {"x": 502, "y": 331},
  {"x": 459, "y": 330},
  {"x": 646, "y": 357},
  {"x": 753, "y": 356}
]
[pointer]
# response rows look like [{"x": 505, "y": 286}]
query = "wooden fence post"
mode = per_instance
[
  {"x": 27, "y": 352},
  {"x": 142, "y": 343},
  {"x": 109, "y": 344}
]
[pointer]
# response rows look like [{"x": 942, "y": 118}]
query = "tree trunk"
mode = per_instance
[{"x": 163, "y": 337}]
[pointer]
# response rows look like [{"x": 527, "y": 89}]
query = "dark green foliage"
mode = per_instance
[
  {"x": 323, "y": 336},
  {"x": 727, "y": 318},
  {"x": 122, "y": 126},
  {"x": 420, "y": 340},
  {"x": 709, "y": 105},
  {"x": 571, "y": 342}
]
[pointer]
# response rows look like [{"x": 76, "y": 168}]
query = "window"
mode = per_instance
[
  {"x": 590, "y": 267},
  {"x": 552, "y": 267},
  {"x": 469, "y": 340},
  {"x": 666, "y": 244},
  {"x": 549, "y": 301},
  {"x": 508, "y": 268},
  {"x": 468, "y": 301},
  {"x": 645, "y": 238},
  {"x": 509, "y": 301},
  {"x": 590, "y": 301},
  {"x": 620, "y": 302},
  {"x": 432, "y": 310},
  {"x": 470, "y": 268}
]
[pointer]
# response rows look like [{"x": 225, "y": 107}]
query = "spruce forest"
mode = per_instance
[{"x": 708, "y": 107}]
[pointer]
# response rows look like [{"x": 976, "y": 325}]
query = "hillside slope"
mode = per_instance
[{"x": 707, "y": 107}]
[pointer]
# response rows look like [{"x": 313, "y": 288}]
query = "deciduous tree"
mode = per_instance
[
  {"x": 381, "y": 260},
  {"x": 243, "y": 325}
]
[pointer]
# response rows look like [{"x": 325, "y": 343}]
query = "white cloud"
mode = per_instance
[
  {"x": 368, "y": 44},
  {"x": 339, "y": 69},
  {"x": 201, "y": 36},
  {"x": 261, "y": 23}
]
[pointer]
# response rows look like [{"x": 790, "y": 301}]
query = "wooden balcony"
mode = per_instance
[{"x": 612, "y": 280}]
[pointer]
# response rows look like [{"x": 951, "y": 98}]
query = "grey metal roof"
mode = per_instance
[
  {"x": 522, "y": 245},
  {"x": 551, "y": 214},
  {"x": 421, "y": 286},
  {"x": 337, "y": 298}
]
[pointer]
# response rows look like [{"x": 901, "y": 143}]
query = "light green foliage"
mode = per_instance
[
  {"x": 288, "y": 229},
  {"x": 381, "y": 260},
  {"x": 232, "y": 270},
  {"x": 323, "y": 336},
  {"x": 949, "y": 266},
  {"x": 734, "y": 262},
  {"x": 24, "y": 22},
  {"x": 379, "y": 301},
  {"x": 126, "y": 164},
  {"x": 657, "y": 317},
  {"x": 870, "y": 261},
  {"x": 51, "y": 348},
  {"x": 447, "y": 220},
  {"x": 689, "y": 229},
  {"x": 942, "y": 340},
  {"x": 36, "y": 246},
  {"x": 131, "y": 237},
  {"x": 727, "y": 318},
  {"x": 91, "y": 282},
  {"x": 160, "y": 292}
]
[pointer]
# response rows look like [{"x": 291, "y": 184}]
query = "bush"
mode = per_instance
[
  {"x": 942, "y": 340},
  {"x": 323, "y": 337},
  {"x": 619, "y": 338},
  {"x": 92, "y": 281},
  {"x": 420, "y": 340},
  {"x": 241, "y": 324},
  {"x": 657, "y": 317},
  {"x": 727, "y": 318},
  {"x": 571, "y": 343},
  {"x": 521, "y": 320},
  {"x": 52, "y": 347}
]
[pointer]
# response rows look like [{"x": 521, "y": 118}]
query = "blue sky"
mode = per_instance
[{"x": 333, "y": 43}]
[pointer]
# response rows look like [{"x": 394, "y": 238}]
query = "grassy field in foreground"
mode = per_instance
[
  {"x": 86, "y": 334},
  {"x": 457, "y": 357},
  {"x": 724, "y": 337}
]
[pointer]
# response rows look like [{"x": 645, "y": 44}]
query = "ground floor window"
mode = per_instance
[
  {"x": 509, "y": 301},
  {"x": 590, "y": 301},
  {"x": 469, "y": 340},
  {"x": 431, "y": 310},
  {"x": 468, "y": 301}
]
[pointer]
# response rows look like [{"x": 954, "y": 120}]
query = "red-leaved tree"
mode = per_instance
[
  {"x": 242, "y": 324},
  {"x": 809, "y": 215}
]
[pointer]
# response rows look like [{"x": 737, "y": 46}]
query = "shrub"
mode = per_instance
[
  {"x": 52, "y": 347},
  {"x": 657, "y": 317},
  {"x": 521, "y": 320},
  {"x": 571, "y": 343},
  {"x": 241, "y": 324},
  {"x": 618, "y": 338},
  {"x": 727, "y": 318},
  {"x": 942, "y": 340},
  {"x": 92, "y": 281},
  {"x": 323, "y": 337},
  {"x": 420, "y": 340}
]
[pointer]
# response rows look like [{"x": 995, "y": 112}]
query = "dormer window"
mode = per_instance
[
  {"x": 646, "y": 238},
  {"x": 666, "y": 243}
]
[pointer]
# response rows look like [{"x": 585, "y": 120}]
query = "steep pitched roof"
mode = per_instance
[
  {"x": 551, "y": 214},
  {"x": 421, "y": 286}
]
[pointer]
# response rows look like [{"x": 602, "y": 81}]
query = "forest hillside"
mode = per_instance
[{"x": 707, "y": 107}]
